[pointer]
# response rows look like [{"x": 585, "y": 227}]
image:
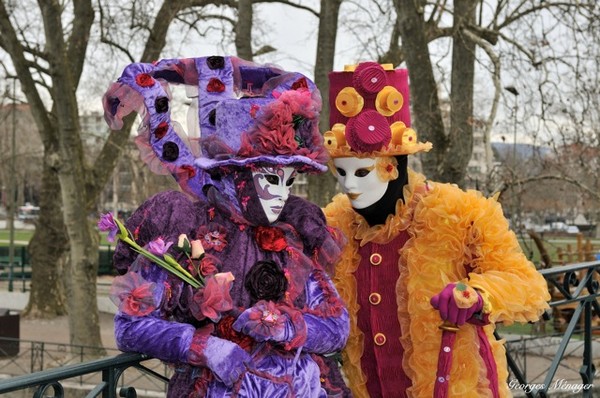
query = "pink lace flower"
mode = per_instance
[
  {"x": 133, "y": 294},
  {"x": 265, "y": 320},
  {"x": 213, "y": 236},
  {"x": 214, "y": 299}
]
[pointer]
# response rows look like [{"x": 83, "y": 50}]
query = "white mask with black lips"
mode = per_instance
[
  {"x": 359, "y": 180},
  {"x": 273, "y": 185}
]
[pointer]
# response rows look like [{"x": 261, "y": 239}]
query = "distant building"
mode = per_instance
[{"x": 94, "y": 129}]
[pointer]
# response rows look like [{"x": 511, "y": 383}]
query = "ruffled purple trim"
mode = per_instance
[{"x": 295, "y": 161}]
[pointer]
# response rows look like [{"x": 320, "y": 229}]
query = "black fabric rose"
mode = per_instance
[
  {"x": 161, "y": 104},
  {"x": 266, "y": 281},
  {"x": 215, "y": 62},
  {"x": 212, "y": 117},
  {"x": 170, "y": 151}
]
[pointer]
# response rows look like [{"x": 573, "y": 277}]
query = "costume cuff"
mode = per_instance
[
  {"x": 196, "y": 355},
  {"x": 487, "y": 301}
]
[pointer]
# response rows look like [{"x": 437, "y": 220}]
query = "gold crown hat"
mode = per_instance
[{"x": 370, "y": 113}]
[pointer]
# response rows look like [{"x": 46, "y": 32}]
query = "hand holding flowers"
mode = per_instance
[
  {"x": 156, "y": 252},
  {"x": 132, "y": 293}
]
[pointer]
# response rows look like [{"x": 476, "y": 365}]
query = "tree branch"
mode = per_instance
[
  {"x": 485, "y": 45},
  {"x": 10, "y": 44},
  {"x": 541, "y": 6},
  {"x": 79, "y": 38},
  {"x": 592, "y": 192},
  {"x": 291, "y": 4}
]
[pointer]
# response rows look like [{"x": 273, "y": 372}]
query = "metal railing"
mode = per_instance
[
  {"x": 111, "y": 369},
  {"x": 576, "y": 285},
  {"x": 42, "y": 367}
]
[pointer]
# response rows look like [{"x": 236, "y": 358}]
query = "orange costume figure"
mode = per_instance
[{"x": 420, "y": 254}]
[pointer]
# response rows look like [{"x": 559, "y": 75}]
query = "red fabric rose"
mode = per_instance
[
  {"x": 144, "y": 80},
  {"x": 161, "y": 130},
  {"x": 226, "y": 331},
  {"x": 186, "y": 171},
  {"x": 270, "y": 239},
  {"x": 300, "y": 83},
  {"x": 215, "y": 86},
  {"x": 279, "y": 140},
  {"x": 209, "y": 265}
]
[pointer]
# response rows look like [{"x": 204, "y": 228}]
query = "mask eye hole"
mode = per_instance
[
  {"x": 290, "y": 182},
  {"x": 272, "y": 179},
  {"x": 341, "y": 172},
  {"x": 362, "y": 172}
]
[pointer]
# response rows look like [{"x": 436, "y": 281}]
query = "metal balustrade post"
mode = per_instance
[
  {"x": 37, "y": 356},
  {"x": 588, "y": 370}
]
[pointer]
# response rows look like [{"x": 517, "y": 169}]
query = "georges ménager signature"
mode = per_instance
[{"x": 560, "y": 384}]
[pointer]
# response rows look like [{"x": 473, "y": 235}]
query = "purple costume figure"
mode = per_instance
[{"x": 274, "y": 328}]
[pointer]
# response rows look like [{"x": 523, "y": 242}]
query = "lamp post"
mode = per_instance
[{"x": 513, "y": 212}]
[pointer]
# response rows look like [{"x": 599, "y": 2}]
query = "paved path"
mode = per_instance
[{"x": 57, "y": 330}]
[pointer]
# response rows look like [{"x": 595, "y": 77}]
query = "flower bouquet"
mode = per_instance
[{"x": 134, "y": 294}]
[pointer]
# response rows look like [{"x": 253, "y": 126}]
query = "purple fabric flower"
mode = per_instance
[
  {"x": 159, "y": 247},
  {"x": 107, "y": 224}
]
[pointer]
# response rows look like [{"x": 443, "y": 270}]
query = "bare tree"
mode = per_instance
[
  {"x": 483, "y": 37},
  {"x": 50, "y": 65}
]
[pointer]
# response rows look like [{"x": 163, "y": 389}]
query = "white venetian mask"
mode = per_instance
[
  {"x": 359, "y": 180},
  {"x": 273, "y": 185}
]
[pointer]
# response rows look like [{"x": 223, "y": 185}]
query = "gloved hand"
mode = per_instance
[
  {"x": 457, "y": 303},
  {"x": 224, "y": 358},
  {"x": 265, "y": 321}
]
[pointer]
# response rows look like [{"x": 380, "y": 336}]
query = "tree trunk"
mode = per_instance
[
  {"x": 243, "y": 30},
  {"x": 46, "y": 254},
  {"x": 84, "y": 326},
  {"x": 460, "y": 148},
  {"x": 423, "y": 88},
  {"x": 322, "y": 188}
]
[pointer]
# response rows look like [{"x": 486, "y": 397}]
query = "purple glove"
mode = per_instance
[
  {"x": 225, "y": 359},
  {"x": 457, "y": 303},
  {"x": 266, "y": 321}
]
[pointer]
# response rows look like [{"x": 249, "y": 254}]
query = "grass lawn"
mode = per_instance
[
  {"x": 20, "y": 235},
  {"x": 24, "y": 235},
  {"x": 554, "y": 244}
]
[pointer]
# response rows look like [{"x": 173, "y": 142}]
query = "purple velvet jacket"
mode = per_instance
[{"x": 167, "y": 333}]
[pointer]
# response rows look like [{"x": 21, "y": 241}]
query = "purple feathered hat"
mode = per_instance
[{"x": 248, "y": 115}]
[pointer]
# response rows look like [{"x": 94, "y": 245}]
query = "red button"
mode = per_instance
[
  {"x": 375, "y": 259},
  {"x": 379, "y": 339},
  {"x": 374, "y": 298}
]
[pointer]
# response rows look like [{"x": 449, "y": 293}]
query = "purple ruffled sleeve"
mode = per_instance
[
  {"x": 165, "y": 340},
  {"x": 326, "y": 319}
]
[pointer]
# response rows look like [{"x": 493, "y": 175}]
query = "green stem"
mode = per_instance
[
  {"x": 185, "y": 276},
  {"x": 168, "y": 263}
]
